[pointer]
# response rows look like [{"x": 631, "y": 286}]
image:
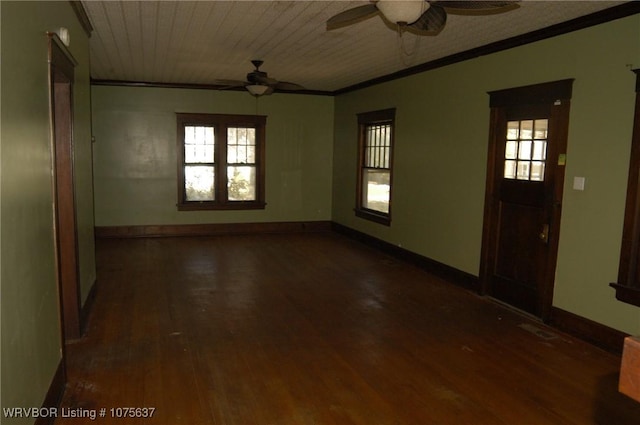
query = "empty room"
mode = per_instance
[{"x": 320, "y": 212}]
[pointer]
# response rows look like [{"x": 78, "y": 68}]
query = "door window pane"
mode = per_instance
[
  {"x": 510, "y": 169},
  {"x": 513, "y": 130},
  {"x": 537, "y": 171},
  {"x": 525, "y": 150},
  {"x": 541, "y": 129},
  {"x": 539, "y": 150},
  {"x": 511, "y": 151},
  {"x": 523, "y": 170}
]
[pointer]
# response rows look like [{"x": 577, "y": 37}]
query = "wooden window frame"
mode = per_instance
[
  {"x": 628, "y": 285},
  {"x": 365, "y": 119},
  {"x": 221, "y": 122}
]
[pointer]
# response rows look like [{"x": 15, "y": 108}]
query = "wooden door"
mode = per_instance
[
  {"x": 66, "y": 239},
  {"x": 528, "y": 139}
]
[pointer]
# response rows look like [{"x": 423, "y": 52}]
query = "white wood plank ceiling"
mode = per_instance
[{"x": 197, "y": 42}]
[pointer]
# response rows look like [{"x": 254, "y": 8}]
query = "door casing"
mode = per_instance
[{"x": 61, "y": 77}]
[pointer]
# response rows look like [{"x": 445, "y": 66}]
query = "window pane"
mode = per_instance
[
  {"x": 241, "y": 145},
  {"x": 198, "y": 183},
  {"x": 523, "y": 170},
  {"x": 537, "y": 171},
  {"x": 511, "y": 150},
  {"x": 241, "y": 185},
  {"x": 198, "y": 154},
  {"x": 540, "y": 150},
  {"x": 524, "y": 151},
  {"x": 377, "y": 146},
  {"x": 526, "y": 129},
  {"x": 541, "y": 129},
  {"x": 375, "y": 190},
  {"x": 198, "y": 144},
  {"x": 513, "y": 130},
  {"x": 509, "y": 169}
]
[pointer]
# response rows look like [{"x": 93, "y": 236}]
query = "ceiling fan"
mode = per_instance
[
  {"x": 258, "y": 82},
  {"x": 421, "y": 17}
]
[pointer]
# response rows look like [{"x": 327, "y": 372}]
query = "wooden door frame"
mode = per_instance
[
  {"x": 557, "y": 94},
  {"x": 61, "y": 78}
]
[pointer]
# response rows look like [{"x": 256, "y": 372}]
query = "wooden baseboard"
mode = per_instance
[
  {"x": 609, "y": 339},
  {"x": 441, "y": 270},
  {"x": 210, "y": 229},
  {"x": 54, "y": 394}
]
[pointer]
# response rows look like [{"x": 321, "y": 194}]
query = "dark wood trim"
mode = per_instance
[
  {"x": 627, "y": 294},
  {"x": 87, "y": 307},
  {"x": 489, "y": 232},
  {"x": 628, "y": 285},
  {"x": 371, "y": 215},
  {"x": 81, "y": 13},
  {"x": 54, "y": 394},
  {"x": 60, "y": 56},
  {"x": 156, "y": 84},
  {"x": 61, "y": 79},
  {"x": 607, "y": 15},
  {"x": 210, "y": 229},
  {"x": 448, "y": 273},
  {"x": 543, "y": 93},
  {"x": 609, "y": 339}
]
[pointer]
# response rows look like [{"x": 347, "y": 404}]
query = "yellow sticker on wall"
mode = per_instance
[{"x": 562, "y": 159}]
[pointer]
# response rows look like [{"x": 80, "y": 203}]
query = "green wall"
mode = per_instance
[
  {"x": 442, "y": 124},
  {"x": 31, "y": 347},
  {"x": 135, "y": 154}
]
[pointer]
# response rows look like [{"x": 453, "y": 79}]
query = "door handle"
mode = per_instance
[{"x": 544, "y": 234}]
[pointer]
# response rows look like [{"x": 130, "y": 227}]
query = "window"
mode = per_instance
[
  {"x": 220, "y": 161},
  {"x": 526, "y": 150},
  {"x": 628, "y": 285},
  {"x": 375, "y": 161}
]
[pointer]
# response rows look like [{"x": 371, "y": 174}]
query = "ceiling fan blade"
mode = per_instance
[
  {"x": 284, "y": 85},
  {"x": 430, "y": 23},
  {"x": 352, "y": 16},
  {"x": 472, "y": 7}
]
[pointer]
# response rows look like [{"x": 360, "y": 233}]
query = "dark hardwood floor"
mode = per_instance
[{"x": 319, "y": 329}]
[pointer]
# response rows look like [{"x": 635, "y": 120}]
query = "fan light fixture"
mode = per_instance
[
  {"x": 257, "y": 89},
  {"x": 398, "y": 11}
]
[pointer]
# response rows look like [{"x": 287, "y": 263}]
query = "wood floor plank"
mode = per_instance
[{"x": 319, "y": 329}]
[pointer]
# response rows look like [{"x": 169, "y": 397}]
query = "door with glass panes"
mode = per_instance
[{"x": 524, "y": 193}]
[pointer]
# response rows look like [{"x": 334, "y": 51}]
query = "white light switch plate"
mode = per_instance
[{"x": 578, "y": 183}]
